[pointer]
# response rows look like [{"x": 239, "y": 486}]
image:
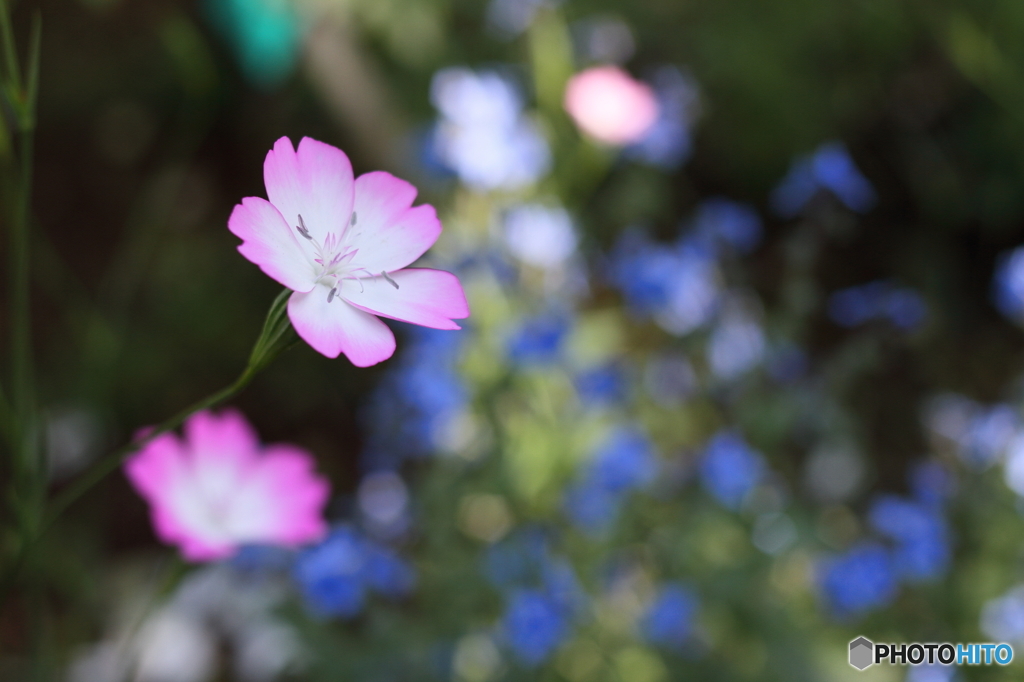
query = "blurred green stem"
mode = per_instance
[
  {"x": 20, "y": 95},
  {"x": 276, "y": 337}
]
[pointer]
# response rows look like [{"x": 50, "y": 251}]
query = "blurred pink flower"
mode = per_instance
[
  {"x": 610, "y": 106},
  {"x": 341, "y": 243},
  {"x": 218, "y": 488}
]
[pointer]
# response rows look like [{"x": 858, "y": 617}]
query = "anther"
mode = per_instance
[
  {"x": 353, "y": 217},
  {"x": 302, "y": 229},
  {"x": 392, "y": 282},
  {"x": 330, "y": 296}
]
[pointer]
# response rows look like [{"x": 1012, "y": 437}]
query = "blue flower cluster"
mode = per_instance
[
  {"x": 828, "y": 168},
  {"x": 860, "y": 580},
  {"x": 543, "y": 594},
  {"x": 980, "y": 434},
  {"x": 533, "y": 625},
  {"x": 483, "y": 135},
  {"x": 668, "y": 621},
  {"x": 336, "y": 575},
  {"x": 726, "y": 223},
  {"x": 679, "y": 284},
  {"x": 602, "y": 386},
  {"x": 625, "y": 461},
  {"x": 917, "y": 547},
  {"x": 730, "y": 468},
  {"x": 736, "y": 345},
  {"x": 408, "y": 412},
  {"x": 922, "y": 550},
  {"x": 853, "y": 306},
  {"x": 538, "y": 339}
]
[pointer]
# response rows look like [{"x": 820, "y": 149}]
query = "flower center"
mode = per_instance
[{"x": 335, "y": 260}]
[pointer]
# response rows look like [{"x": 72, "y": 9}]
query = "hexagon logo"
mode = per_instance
[{"x": 861, "y": 653}]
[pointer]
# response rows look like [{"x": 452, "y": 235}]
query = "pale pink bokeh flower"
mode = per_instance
[
  {"x": 342, "y": 245},
  {"x": 610, "y": 106},
  {"x": 217, "y": 488}
]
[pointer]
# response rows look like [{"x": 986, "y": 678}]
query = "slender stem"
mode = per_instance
[
  {"x": 105, "y": 466},
  {"x": 10, "y": 53},
  {"x": 27, "y": 466},
  {"x": 22, "y": 391},
  {"x": 112, "y": 461},
  {"x": 276, "y": 337}
]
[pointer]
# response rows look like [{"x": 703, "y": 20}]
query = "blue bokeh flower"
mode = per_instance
[
  {"x": 335, "y": 576},
  {"x": 538, "y": 340},
  {"x": 861, "y": 580},
  {"x": 642, "y": 270},
  {"x": 387, "y": 573},
  {"x": 922, "y": 549},
  {"x": 830, "y": 168},
  {"x": 1008, "y": 284},
  {"x": 539, "y": 234},
  {"x": 668, "y": 620},
  {"x": 590, "y": 507},
  {"x": 722, "y": 221},
  {"x": 408, "y": 412},
  {"x": 519, "y": 559},
  {"x": 676, "y": 284},
  {"x": 602, "y": 386},
  {"x": 668, "y": 142},
  {"x": 730, "y": 468},
  {"x": 330, "y": 575},
  {"x": 534, "y": 626},
  {"x": 543, "y": 593},
  {"x": 854, "y": 306},
  {"x": 259, "y": 558},
  {"x": 736, "y": 345},
  {"x": 483, "y": 135},
  {"x": 931, "y": 483},
  {"x": 625, "y": 461},
  {"x": 694, "y": 290}
]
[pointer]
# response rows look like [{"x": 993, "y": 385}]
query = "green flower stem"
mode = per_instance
[
  {"x": 276, "y": 337},
  {"x": 112, "y": 461},
  {"x": 19, "y": 419}
]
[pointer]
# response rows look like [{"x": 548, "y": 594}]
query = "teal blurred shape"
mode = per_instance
[{"x": 264, "y": 35}]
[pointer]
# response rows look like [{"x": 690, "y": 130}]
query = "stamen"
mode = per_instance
[
  {"x": 357, "y": 279},
  {"x": 330, "y": 296},
  {"x": 353, "y": 217},
  {"x": 302, "y": 229},
  {"x": 392, "y": 282}
]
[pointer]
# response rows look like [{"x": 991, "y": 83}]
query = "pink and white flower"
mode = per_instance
[
  {"x": 610, "y": 106},
  {"x": 342, "y": 245},
  {"x": 218, "y": 488}
]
